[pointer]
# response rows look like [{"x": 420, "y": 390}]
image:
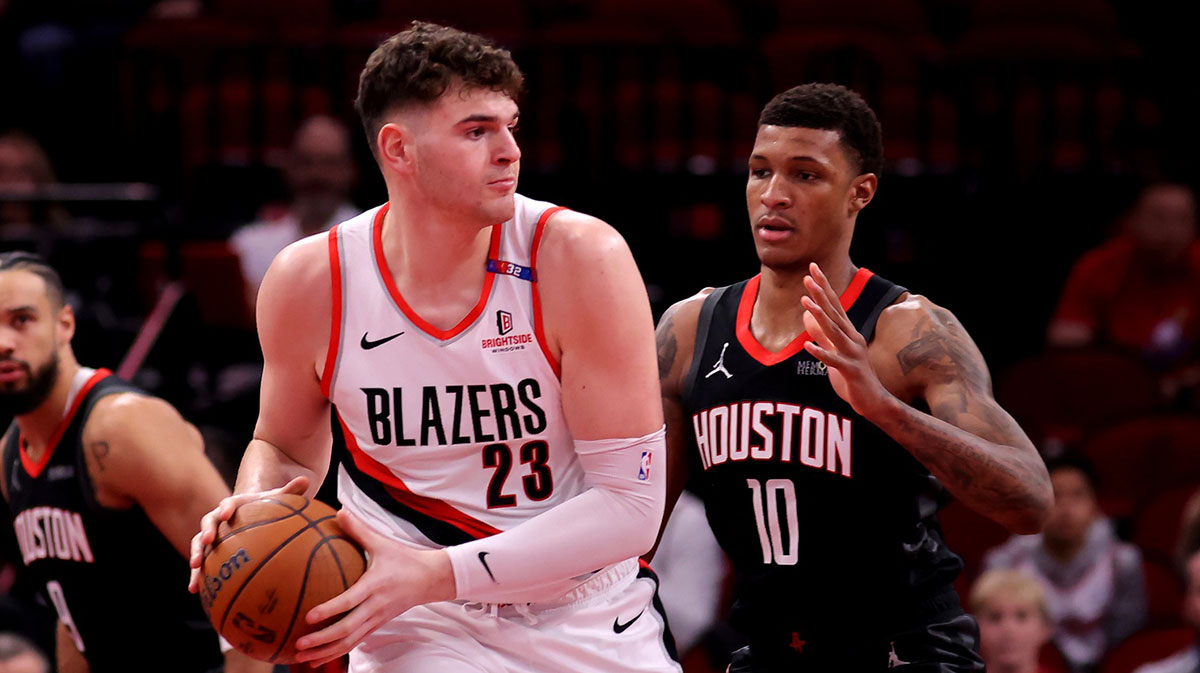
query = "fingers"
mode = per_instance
[
  {"x": 323, "y": 655},
  {"x": 224, "y": 510},
  {"x": 829, "y": 334},
  {"x": 360, "y": 531},
  {"x": 344, "y": 602},
  {"x": 820, "y": 289},
  {"x": 298, "y": 486}
]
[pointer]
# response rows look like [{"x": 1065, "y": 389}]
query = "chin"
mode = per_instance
[{"x": 501, "y": 210}]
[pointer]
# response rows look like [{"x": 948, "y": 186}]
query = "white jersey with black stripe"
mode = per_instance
[{"x": 449, "y": 435}]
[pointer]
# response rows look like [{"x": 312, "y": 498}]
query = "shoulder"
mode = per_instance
[
  {"x": 1012, "y": 553},
  {"x": 571, "y": 237},
  {"x": 124, "y": 415},
  {"x": 912, "y": 316},
  {"x": 298, "y": 284},
  {"x": 1128, "y": 557},
  {"x": 684, "y": 315}
]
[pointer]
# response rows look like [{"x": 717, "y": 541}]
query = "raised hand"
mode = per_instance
[
  {"x": 224, "y": 512},
  {"x": 837, "y": 343},
  {"x": 398, "y": 577}
]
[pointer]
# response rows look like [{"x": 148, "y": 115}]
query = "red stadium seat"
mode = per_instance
[
  {"x": 1141, "y": 458},
  {"x": 1146, "y": 646},
  {"x": 1063, "y": 395},
  {"x": 1157, "y": 522},
  {"x": 1164, "y": 593}
]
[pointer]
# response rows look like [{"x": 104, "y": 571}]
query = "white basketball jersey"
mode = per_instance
[{"x": 445, "y": 436}]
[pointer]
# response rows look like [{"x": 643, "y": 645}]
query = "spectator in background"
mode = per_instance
[
  {"x": 1141, "y": 290},
  {"x": 18, "y": 655},
  {"x": 320, "y": 172},
  {"x": 1188, "y": 660},
  {"x": 24, "y": 166},
  {"x": 1093, "y": 581},
  {"x": 1014, "y": 621}
]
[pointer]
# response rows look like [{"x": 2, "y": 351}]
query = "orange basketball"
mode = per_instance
[{"x": 275, "y": 560}]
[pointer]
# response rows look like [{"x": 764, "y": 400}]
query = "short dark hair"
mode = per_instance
[
  {"x": 19, "y": 260},
  {"x": 421, "y": 63},
  {"x": 831, "y": 107},
  {"x": 1073, "y": 460}
]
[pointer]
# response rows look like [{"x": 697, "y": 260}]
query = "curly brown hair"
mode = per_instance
[{"x": 421, "y": 63}]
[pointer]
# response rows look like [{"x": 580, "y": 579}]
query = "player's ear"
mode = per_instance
[
  {"x": 862, "y": 190},
  {"x": 395, "y": 147},
  {"x": 66, "y": 324}
]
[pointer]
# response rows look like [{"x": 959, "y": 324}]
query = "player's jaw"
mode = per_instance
[{"x": 17, "y": 399}]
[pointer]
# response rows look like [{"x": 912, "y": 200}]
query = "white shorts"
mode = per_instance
[{"x": 612, "y": 623}]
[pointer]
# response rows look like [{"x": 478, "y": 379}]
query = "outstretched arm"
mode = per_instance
[{"x": 967, "y": 441}]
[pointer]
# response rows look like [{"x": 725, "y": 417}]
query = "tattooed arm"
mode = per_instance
[
  {"x": 140, "y": 451},
  {"x": 675, "y": 338},
  {"x": 920, "y": 351},
  {"x": 967, "y": 441}
]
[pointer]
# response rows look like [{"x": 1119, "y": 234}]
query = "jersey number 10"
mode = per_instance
[{"x": 770, "y": 533}]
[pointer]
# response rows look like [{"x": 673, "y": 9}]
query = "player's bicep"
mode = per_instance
[
  {"x": 156, "y": 458},
  {"x": 609, "y": 383},
  {"x": 953, "y": 379},
  {"x": 294, "y": 321}
]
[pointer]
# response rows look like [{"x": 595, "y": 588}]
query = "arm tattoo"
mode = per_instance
[
  {"x": 667, "y": 346},
  {"x": 100, "y": 451}
]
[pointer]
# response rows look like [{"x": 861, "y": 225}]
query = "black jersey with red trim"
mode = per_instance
[
  {"x": 115, "y": 581},
  {"x": 830, "y": 524}
]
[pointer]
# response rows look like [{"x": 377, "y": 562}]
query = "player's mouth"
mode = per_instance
[
  {"x": 11, "y": 370},
  {"x": 504, "y": 185},
  {"x": 773, "y": 229}
]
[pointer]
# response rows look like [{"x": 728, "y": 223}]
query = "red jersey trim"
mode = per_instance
[
  {"x": 746, "y": 338},
  {"x": 430, "y": 507},
  {"x": 335, "y": 315},
  {"x": 35, "y": 469},
  {"x": 390, "y": 282},
  {"x": 539, "y": 330}
]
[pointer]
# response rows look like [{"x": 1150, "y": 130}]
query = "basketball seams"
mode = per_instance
[
  {"x": 326, "y": 539},
  {"x": 249, "y": 589},
  {"x": 312, "y": 525}
]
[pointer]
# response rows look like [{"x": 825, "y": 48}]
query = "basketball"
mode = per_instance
[{"x": 272, "y": 562}]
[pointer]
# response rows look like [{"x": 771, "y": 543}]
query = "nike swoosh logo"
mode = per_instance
[
  {"x": 618, "y": 627},
  {"x": 367, "y": 344},
  {"x": 483, "y": 560}
]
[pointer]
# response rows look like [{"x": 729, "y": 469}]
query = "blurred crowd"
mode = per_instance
[{"x": 1097, "y": 358}]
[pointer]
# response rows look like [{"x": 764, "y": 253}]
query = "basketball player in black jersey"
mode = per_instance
[
  {"x": 106, "y": 484},
  {"x": 822, "y": 412}
]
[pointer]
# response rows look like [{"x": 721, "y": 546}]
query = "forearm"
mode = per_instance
[
  {"x": 616, "y": 519},
  {"x": 1006, "y": 483},
  {"x": 265, "y": 466}
]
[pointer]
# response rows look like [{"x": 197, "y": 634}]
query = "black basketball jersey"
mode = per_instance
[
  {"x": 828, "y": 521},
  {"x": 116, "y": 582}
]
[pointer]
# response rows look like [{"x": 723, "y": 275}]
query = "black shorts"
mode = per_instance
[{"x": 947, "y": 643}]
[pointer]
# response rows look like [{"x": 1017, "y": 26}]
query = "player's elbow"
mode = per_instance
[{"x": 1031, "y": 517}]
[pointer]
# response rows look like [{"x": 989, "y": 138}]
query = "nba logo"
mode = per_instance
[
  {"x": 504, "y": 322},
  {"x": 644, "y": 470}
]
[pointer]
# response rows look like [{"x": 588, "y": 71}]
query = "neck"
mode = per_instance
[
  {"x": 38, "y": 425},
  {"x": 1063, "y": 551},
  {"x": 780, "y": 290},
  {"x": 425, "y": 247}
]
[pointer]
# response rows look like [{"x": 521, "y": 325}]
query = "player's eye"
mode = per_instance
[{"x": 760, "y": 173}]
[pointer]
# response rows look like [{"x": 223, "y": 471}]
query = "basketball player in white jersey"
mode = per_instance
[{"x": 488, "y": 362}]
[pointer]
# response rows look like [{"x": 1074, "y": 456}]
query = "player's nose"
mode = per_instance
[
  {"x": 507, "y": 149},
  {"x": 775, "y": 195}
]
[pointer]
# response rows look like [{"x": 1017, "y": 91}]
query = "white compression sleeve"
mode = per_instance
[{"x": 615, "y": 519}]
